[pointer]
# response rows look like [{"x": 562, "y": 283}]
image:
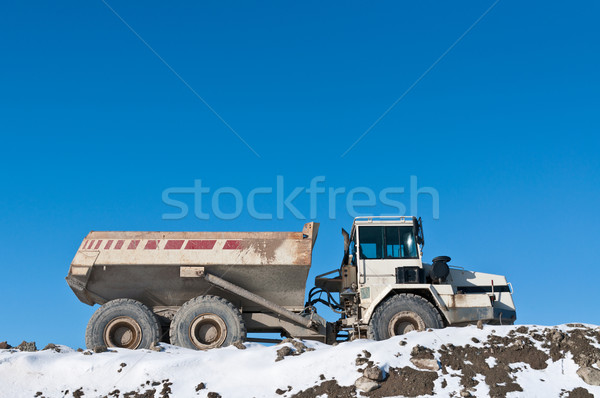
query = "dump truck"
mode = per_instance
[{"x": 204, "y": 290}]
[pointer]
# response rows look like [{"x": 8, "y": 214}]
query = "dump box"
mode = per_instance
[{"x": 159, "y": 269}]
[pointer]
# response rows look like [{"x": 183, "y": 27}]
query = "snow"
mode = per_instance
[
  {"x": 253, "y": 372},
  {"x": 491, "y": 362}
]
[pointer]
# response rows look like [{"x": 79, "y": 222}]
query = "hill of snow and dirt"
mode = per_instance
[{"x": 496, "y": 361}]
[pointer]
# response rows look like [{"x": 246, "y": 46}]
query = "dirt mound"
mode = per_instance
[{"x": 494, "y": 361}]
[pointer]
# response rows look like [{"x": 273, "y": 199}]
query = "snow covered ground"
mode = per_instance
[{"x": 511, "y": 361}]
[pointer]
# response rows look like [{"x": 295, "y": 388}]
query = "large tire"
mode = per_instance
[
  {"x": 207, "y": 322},
  {"x": 401, "y": 314},
  {"x": 123, "y": 323}
]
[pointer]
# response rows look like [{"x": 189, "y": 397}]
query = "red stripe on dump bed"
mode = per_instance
[
  {"x": 200, "y": 244},
  {"x": 174, "y": 244},
  {"x": 232, "y": 245},
  {"x": 108, "y": 244},
  {"x": 151, "y": 245},
  {"x": 91, "y": 243},
  {"x": 133, "y": 244},
  {"x": 119, "y": 244},
  {"x": 98, "y": 244}
]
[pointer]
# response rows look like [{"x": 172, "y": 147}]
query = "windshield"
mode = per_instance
[{"x": 378, "y": 242}]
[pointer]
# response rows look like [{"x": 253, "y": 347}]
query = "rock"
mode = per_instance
[
  {"x": 200, "y": 386},
  {"x": 373, "y": 373},
  {"x": 279, "y": 391},
  {"x": 283, "y": 352},
  {"x": 87, "y": 353},
  {"x": 365, "y": 384},
  {"x": 366, "y": 353},
  {"x": 428, "y": 364},
  {"x": 213, "y": 395},
  {"x": 100, "y": 348},
  {"x": 475, "y": 340},
  {"x": 590, "y": 375},
  {"x": 4, "y": 345},
  {"x": 402, "y": 342},
  {"x": 479, "y": 326},
  {"x": 155, "y": 347},
  {"x": 25, "y": 346},
  {"x": 465, "y": 393},
  {"x": 239, "y": 345}
]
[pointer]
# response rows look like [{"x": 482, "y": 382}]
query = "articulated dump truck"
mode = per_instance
[{"x": 203, "y": 290}]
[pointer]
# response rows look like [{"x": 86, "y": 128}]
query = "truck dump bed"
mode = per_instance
[{"x": 157, "y": 268}]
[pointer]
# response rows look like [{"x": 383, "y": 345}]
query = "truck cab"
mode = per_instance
[{"x": 385, "y": 288}]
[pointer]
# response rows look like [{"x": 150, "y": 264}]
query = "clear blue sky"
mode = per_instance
[{"x": 505, "y": 127}]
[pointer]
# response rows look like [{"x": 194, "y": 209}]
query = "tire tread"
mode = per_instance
[{"x": 372, "y": 333}]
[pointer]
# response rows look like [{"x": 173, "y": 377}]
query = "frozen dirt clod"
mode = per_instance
[
  {"x": 99, "y": 349},
  {"x": 579, "y": 392},
  {"x": 406, "y": 382},
  {"x": 299, "y": 347},
  {"x": 51, "y": 346},
  {"x": 419, "y": 351},
  {"x": 329, "y": 388},
  {"x": 27, "y": 346},
  {"x": 283, "y": 352},
  {"x": 359, "y": 361}
]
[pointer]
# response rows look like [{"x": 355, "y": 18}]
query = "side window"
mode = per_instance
[
  {"x": 371, "y": 242},
  {"x": 392, "y": 242},
  {"x": 352, "y": 251}
]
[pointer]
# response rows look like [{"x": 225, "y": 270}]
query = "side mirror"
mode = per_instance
[{"x": 418, "y": 230}]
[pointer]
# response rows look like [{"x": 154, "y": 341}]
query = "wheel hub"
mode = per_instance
[
  {"x": 404, "y": 322},
  {"x": 208, "y": 331},
  {"x": 123, "y": 332}
]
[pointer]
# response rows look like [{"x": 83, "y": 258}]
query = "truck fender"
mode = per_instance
[{"x": 407, "y": 288}]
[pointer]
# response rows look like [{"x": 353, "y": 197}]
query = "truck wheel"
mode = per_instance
[
  {"x": 401, "y": 314},
  {"x": 122, "y": 323},
  {"x": 207, "y": 322}
]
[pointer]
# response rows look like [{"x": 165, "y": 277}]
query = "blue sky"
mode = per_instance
[{"x": 505, "y": 127}]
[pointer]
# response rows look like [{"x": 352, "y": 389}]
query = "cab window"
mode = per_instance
[{"x": 379, "y": 242}]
